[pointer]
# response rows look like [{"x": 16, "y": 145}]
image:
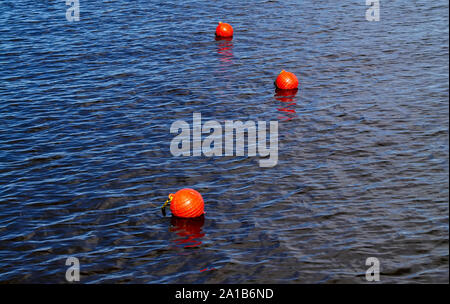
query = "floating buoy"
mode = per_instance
[
  {"x": 286, "y": 81},
  {"x": 224, "y": 30},
  {"x": 185, "y": 203}
]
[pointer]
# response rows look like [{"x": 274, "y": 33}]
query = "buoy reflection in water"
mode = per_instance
[
  {"x": 225, "y": 49},
  {"x": 288, "y": 100},
  {"x": 189, "y": 230}
]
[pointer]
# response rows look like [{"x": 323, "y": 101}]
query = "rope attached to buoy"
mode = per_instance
[{"x": 163, "y": 207}]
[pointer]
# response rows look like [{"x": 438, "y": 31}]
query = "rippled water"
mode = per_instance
[{"x": 85, "y": 160}]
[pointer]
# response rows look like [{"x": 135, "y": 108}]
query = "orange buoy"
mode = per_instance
[
  {"x": 224, "y": 30},
  {"x": 286, "y": 81},
  {"x": 186, "y": 203}
]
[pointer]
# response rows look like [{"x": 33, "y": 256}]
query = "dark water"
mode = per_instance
[{"x": 85, "y": 160}]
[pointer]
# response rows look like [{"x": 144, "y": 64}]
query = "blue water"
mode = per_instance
[{"x": 85, "y": 163}]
